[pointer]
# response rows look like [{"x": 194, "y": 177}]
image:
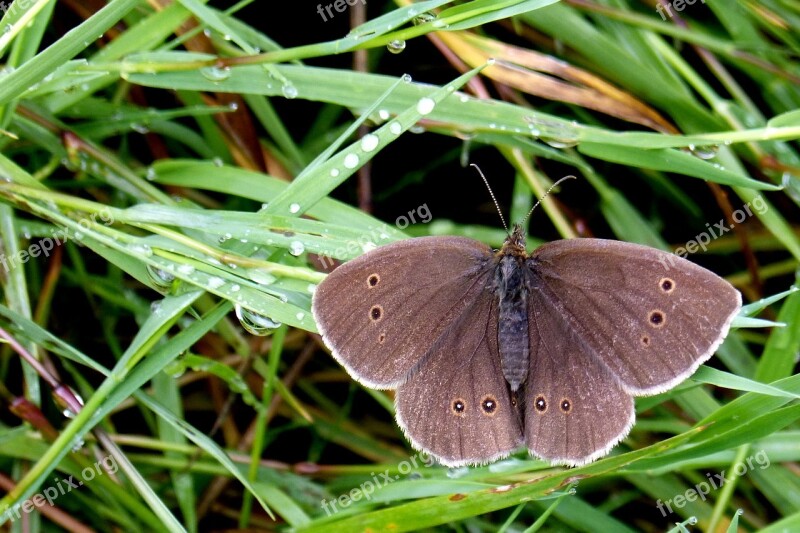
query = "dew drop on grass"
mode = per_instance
[
  {"x": 215, "y": 282},
  {"x": 384, "y": 114},
  {"x": 216, "y": 74},
  {"x": 296, "y": 248},
  {"x": 334, "y": 172},
  {"x": 424, "y": 18},
  {"x": 369, "y": 142},
  {"x": 350, "y": 161},
  {"x": 289, "y": 91},
  {"x": 294, "y": 208},
  {"x": 254, "y": 323},
  {"x": 395, "y": 128},
  {"x": 425, "y": 105},
  {"x": 261, "y": 276},
  {"x": 396, "y": 46},
  {"x": 161, "y": 279},
  {"x": 705, "y": 152}
]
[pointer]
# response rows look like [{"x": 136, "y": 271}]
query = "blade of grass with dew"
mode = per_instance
[{"x": 444, "y": 509}]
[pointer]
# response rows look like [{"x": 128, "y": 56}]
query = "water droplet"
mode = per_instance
[
  {"x": 369, "y": 142},
  {"x": 254, "y": 323},
  {"x": 416, "y": 129},
  {"x": 217, "y": 162},
  {"x": 396, "y": 128},
  {"x": 216, "y": 74},
  {"x": 455, "y": 473},
  {"x": 406, "y": 78},
  {"x": 300, "y": 316},
  {"x": 311, "y": 288},
  {"x": 491, "y": 61},
  {"x": 151, "y": 174},
  {"x": 463, "y": 98},
  {"x": 162, "y": 280},
  {"x": 294, "y": 208},
  {"x": 296, "y": 248},
  {"x": 142, "y": 249},
  {"x": 705, "y": 152},
  {"x": 186, "y": 270},
  {"x": 559, "y": 143},
  {"x": 368, "y": 246},
  {"x": 425, "y": 105},
  {"x": 334, "y": 172},
  {"x": 261, "y": 276},
  {"x": 175, "y": 369},
  {"x": 289, "y": 91},
  {"x": 140, "y": 128},
  {"x": 215, "y": 282},
  {"x": 350, "y": 161},
  {"x": 396, "y": 46},
  {"x": 424, "y": 18},
  {"x": 384, "y": 114}
]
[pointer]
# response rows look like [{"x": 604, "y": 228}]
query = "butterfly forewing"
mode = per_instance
[
  {"x": 381, "y": 313},
  {"x": 650, "y": 317},
  {"x": 457, "y": 405}
]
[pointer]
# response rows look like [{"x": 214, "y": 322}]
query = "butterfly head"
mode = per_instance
[{"x": 515, "y": 243}]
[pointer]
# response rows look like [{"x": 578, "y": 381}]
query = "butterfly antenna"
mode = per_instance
[
  {"x": 553, "y": 186},
  {"x": 491, "y": 193}
]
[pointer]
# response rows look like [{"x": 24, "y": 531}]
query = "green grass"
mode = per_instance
[{"x": 189, "y": 169}]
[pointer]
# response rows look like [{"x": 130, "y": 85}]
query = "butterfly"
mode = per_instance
[{"x": 490, "y": 350}]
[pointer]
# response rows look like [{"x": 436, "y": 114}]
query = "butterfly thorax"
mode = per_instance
[{"x": 511, "y": 290}]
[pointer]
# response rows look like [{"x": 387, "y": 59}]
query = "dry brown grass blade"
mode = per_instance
[{"x": 540, "y": 75}]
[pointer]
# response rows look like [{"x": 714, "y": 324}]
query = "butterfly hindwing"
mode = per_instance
[
  {"x": 575, "y": 410},
  {"x": 381, "y": 312},
  {"x": 457, "y": 405}
]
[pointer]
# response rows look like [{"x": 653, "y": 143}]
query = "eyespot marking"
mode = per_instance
[
  {"x": 489, "y": 405},
  {"x": 540, "y": 404},
  {"x": 657, "y": 318},
  {"x": 645, "y": 340},
  {"x": 667, "y": 285},
  {"x": 458, "y": 407},
  {"x": 376, "y": 313},
  {"x": 566, "y": 406},
  {"x": 373, "y": 279}
]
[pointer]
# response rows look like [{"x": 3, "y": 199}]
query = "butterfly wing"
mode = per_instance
[
  {"x": 649, "y": 317},
  {"x": 575, "y": 410},
  {"x": 381, "y": 312},
  {"x": 456, "y": 405}
]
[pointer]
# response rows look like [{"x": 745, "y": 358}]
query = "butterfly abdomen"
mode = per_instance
[{"x": 512, "y": 331}]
